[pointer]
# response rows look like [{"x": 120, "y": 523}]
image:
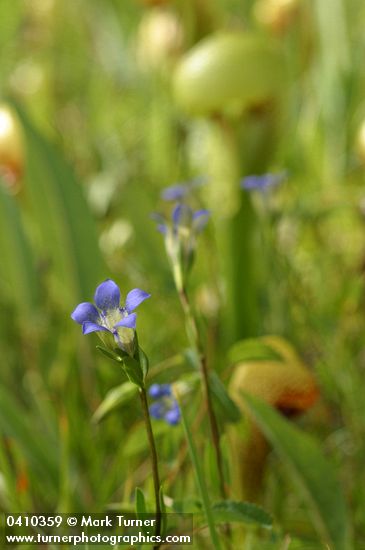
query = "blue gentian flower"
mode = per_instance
[
  {"x": 183, "y": 220},
  {"x": 159, "y": 390},
  {"x": 165, "y": 407},
  {"x": 175, "y": 192},
  {"x": 262, "y": 182},
  {"x": 109, "y": 316},
  {"x": 180, "y": 238},
  {"x": 180, "y": 191}
]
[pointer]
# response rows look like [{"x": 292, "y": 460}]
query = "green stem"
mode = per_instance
[
  {"x": 200, "y": 481},
  {"x": 156, "y": 477},
  {"x": 193, "y": 334}
]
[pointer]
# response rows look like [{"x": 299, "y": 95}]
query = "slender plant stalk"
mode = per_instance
[
  {"x": 200, "y": 481},
  {"x": 156, "y": 477},
  {"x": 193, "y": 334}
]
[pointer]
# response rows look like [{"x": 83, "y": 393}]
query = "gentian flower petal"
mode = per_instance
[
  {"x": 263, "y": 181},
  {"x": 157, "y": 410},
  {"x": 107, "y": 295},
  {"x": 182, "y": 214},
  {"x": 253, "y": 182},
  {"x": 134, "y": 298},
  {"x": 173, "y": 416},
  {"x": 175, "y": 192},
  {"x": 161, "y": 222},
  {"x": 154, "y": 391},
  {"x": 176, "y": 214},
  {"x": 162, "y": 228},
  {"x": 159, "y": 390},
  {"x": 200, "y": 219},
  {"x": 165, "y": 390},
  {"x": 128, "y": 322},
  {"x": 89, "y": 327},
  {"x": 180, "y": 190},
  {"x": 85, "y": 312}
]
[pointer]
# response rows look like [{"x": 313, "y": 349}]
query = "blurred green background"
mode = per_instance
[{"x": 92, "y": 128}]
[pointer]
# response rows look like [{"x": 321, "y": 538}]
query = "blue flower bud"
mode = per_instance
[
  {"x": 173, "y": 416},
  {"x": 159, "y": 390},
  {"x": 165, "y": 407}
]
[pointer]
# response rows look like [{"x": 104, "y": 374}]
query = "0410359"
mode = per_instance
[{"x": 32, "y": 520}]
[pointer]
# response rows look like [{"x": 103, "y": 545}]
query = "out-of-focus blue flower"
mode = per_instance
[
  {"x": 157, "y": 410},
  {"x": 109, "y": 316},
  {"x": 183, "y": 220},
  {"x": 165, "y": 406},
  {"x": 157, "y": 391},
  {"x": 262, "y": 182},
  {"x": 175, "y": 192},
  {"x": 173, "y": 415},
  {"x": 180, "y": 191},
  {"x": 180, "y": 234}
]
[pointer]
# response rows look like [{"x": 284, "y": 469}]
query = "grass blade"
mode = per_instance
[{"x": 200, "y": 480}]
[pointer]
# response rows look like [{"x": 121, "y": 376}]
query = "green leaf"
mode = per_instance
[
  {"x": 41, "y": 452},
  {"x": 191, "y": 357},
  {"x": 114, "y": 399},
  {"x": 230, "y": 511},
  {"x": 18, "y": 270},
  {"x": 141, "y": 510},
  {"x": 65, "y": 231},
  {"x": 252, "y": 349},
  {"x": 312, "y": 472},
  {"x": 230, "y": 411},
  {"x": 144, "y": 362},
  {"x": 110, "y": 354},
  {"x": 133, "y": 370},
  {"x": 140, "y": 502},
  {"x": 200, "y": 481}
]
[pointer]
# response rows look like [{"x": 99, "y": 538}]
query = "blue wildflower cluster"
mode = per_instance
[
  {"x": 108, "y": 316},
  {"x": 181, "y": 191},
  {"x": 181, "y": 231},
  {"x": 185, "y": 222},
  {"x": 262, "y": 182},
  {"x": 165, "y": 406}
]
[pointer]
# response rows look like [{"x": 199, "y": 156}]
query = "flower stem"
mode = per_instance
[
  {"x": 156, "y": 477},
  {"x": 193, "y": 334}
]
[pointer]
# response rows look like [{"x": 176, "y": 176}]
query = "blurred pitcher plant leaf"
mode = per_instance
[
  {"x": 228, "y": 408},
  {"x": 253, "y": 349},
  {"x": 312, "y": 472}
]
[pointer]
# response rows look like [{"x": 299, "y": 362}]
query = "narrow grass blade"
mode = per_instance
[
  {"x": 200, "y": 480},
  {"x": 18, "y": 270}
]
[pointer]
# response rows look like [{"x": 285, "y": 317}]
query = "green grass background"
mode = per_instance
[{"x": 103, "y": 136}]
